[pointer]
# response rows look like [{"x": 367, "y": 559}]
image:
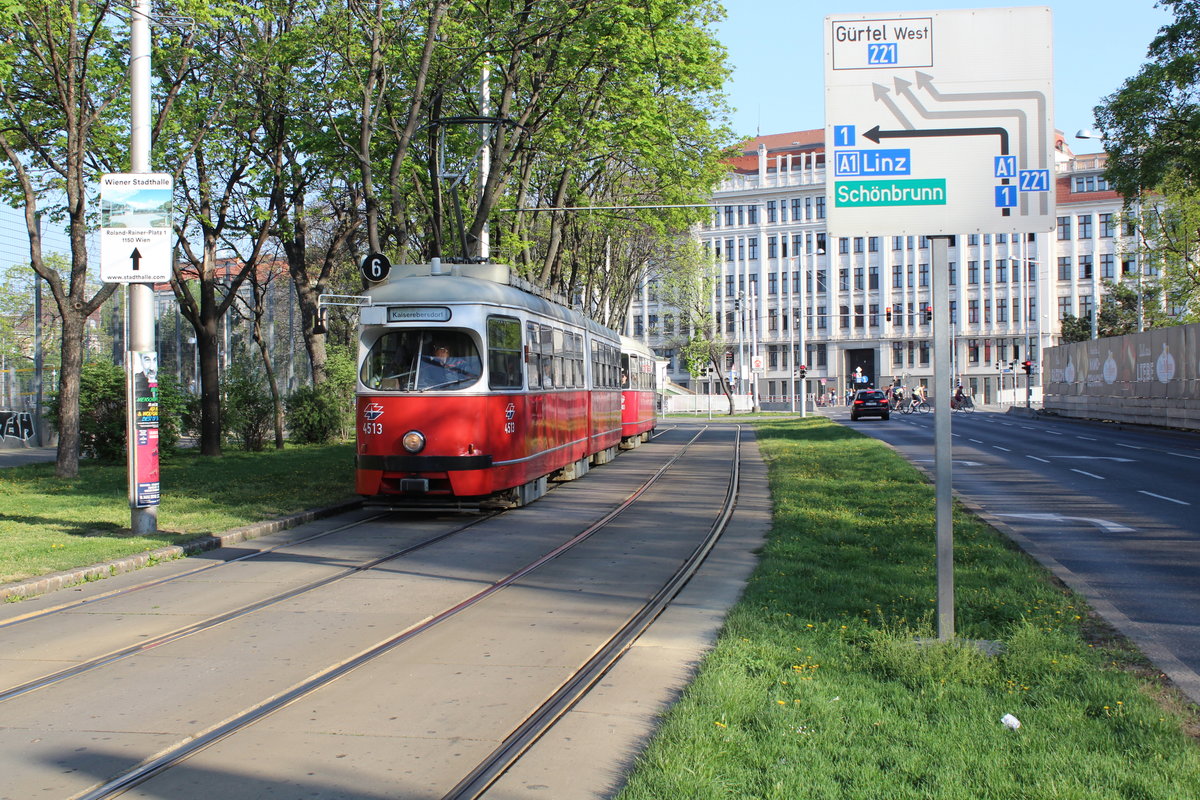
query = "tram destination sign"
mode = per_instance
[{"x": 939, "y": 122}]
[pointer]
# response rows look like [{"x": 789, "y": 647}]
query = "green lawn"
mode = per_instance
[
  {"x": 48, "y": 524},
  {"x": 819, "y": 687}
]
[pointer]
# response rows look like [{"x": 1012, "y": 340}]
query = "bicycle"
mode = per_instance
[
  {"x": 966, "y": 405},
  {"x": 916, "y": 405}
]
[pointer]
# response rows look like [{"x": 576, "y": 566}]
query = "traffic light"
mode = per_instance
[
  {"x": 887, "y": 313},
  {"x": 728, "y": 359},
  {"x": 928, "y": 311},
  {"x": 803, "y": 370},
  {"x": 1027, "y": 366}
]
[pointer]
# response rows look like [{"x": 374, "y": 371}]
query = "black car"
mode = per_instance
[{"x": 870, "y": 403}]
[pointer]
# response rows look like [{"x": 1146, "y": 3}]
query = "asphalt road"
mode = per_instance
[{"x": 1112, "y": 510}]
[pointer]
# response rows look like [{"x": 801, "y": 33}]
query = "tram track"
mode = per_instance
[{"x": 534, "y": 725}]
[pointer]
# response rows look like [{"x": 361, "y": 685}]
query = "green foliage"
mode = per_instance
[
  {"x": 101, "y": 411},
  {"x": 172, "y": 407},
  {"x": 825, "y": 684},
  {"x": 247, "y": 411},
  {"x": 315, "y": 414},
  {"x": 1151, "y": 125}
]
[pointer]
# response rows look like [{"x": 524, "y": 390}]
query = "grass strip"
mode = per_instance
[
  {"x": 49, "y": 524},
  {"x": 817, "y": 687}
]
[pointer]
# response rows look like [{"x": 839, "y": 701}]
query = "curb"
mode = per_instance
[{"x": 73, "y": 577}]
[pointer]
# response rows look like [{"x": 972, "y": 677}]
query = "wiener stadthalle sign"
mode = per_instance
[{"x": 939, "y": 122}]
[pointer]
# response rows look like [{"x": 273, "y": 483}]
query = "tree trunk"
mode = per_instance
[{"x": 67, "y": 461}]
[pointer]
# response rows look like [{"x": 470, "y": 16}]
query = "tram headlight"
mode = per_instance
[{"x": 413, "y": 441}]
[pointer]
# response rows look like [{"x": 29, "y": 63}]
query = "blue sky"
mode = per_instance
[{"x": 777, "y": 54}]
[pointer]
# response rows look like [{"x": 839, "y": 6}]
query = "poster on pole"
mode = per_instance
[{"x": 143, "y": 455}]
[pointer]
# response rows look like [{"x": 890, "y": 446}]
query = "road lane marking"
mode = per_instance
[
  {"x": 1089, "y": 474},
  {"x": 1005, "y": 449},
  {"x": 1108, "y": 525},
  {"x": 1164, "y": 497},
  {"x": 1035, "y": 458},
  {"x": 1182, "y": 455},
  {"x": 1055, "y": 433},
  {"x": 976, "y": 441},
  {"x": 1130, "y": 446},
  {"x": 1086, "y": 438}
]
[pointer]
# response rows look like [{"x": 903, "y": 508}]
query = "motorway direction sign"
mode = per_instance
[
  {"x": 135, "y": 227},
  {"x": 939, "y": 122}
]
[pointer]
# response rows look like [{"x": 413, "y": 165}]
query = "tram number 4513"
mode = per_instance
[{"x": 372, "y": 428}]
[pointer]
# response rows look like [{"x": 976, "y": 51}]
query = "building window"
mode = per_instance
[
  {"x": 972, "y": 312},
  {"x": 796, "y": 209},
  {"x": 873, "y": 315},
  {"x": 822, "y": 281},
  {"x": 1085, "y": 267},
  {"x": 858, "y": 278},
  {"x": 923, "y": 274},
  {"x": 987, "y": 271},
  {"x": 873, "y": 278},
  {"x": 753, "y": 244},
  {"x": 1064, "y": 228},
  {"x": 1064, "y": 268},
  {"x": 1084, "y": 226},
  {"x": 973, "y": 351},
  {"x": 728, "y": 216},
  {"x": 822, "y": 317},
  {"x": 897, "y": 354},
  {"x": 729, "y": 249},
  {"x": 1001, "y": 271},
  {"x": 973, "y": 238},
  {"x": 772, "y": 320},
  {"x": 897, "y": 242},
  {"x": 1107, "y": 268},
  {"x": 1064, "y": 307},
  {"x": 987, "y": 311},
  {"x": 1085, "y": 306},
  {"x": 953, "y": 274},
  {"x": 843, "y": 246},
  {"x": 843, "y": 279},
  {"x": 1033, "y": 309},
  {"x": 1107, "y": 226},
  {"x": 859, "y": 317},
  {"x": 741, "y": 215},
  {"x": 1001, "y": 311},
  {"x": 924, "y": 352},
  {"x": 771, "y": 211},
  {"x": 821, "y": 207},
  {"x": 752, "y": 215},
  {"x": 845, "y": 314},
  {"x": 897, "y": 277},
  {"x": 972, "y": 273},
  {"x": 772, "y": 247},
  {"x": 858, "y": 244},
  {"x": 953, "y": 312}
]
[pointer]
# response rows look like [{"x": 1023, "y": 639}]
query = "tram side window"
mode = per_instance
[
  {"x": 626, "y": 364},
  {"x": 560, "y": 378},
  {"x": 577, "y": 379},
  {"x": 504, "y": 353},
  {"x": 546, "y": 364},
  {"x": 534, "y": 354}
]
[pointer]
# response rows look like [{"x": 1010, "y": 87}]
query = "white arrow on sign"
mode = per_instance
[{"x": 1103, "y": 524}]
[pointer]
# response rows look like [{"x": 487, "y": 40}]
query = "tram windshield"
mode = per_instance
[{"x": 420, "y": 360}]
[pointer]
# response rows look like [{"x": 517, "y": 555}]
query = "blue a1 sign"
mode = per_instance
[
  {"x": 939, "y": 122},
  {"x": 136, "y": 227}
]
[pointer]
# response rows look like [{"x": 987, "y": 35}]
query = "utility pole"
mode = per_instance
[{"x": 143, "y": 519}]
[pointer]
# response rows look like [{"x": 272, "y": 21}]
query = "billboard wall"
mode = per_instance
[{"x": 1148, "y": 378}]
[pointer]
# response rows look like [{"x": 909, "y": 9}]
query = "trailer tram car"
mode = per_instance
[
  {"x": 639, "y": 392},
  {"x": 474, "y": 391}
]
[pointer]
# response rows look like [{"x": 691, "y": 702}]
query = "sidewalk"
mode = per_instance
[{"x": 26, "y": 455}]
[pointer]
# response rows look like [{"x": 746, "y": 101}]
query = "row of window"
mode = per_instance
[
  {"x": 868, "y": 278},
  {"x": 1090, "y": 183},
  {"x": 1083, "y": 227},
  {"x": 985, "y": 310},
  {"x": 554, "y": 357},
  {"x": 803, "y": 209},
  {"x": 1107, "y": 266}
]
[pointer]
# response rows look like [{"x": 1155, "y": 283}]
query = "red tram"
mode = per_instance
[
  {"x": 473, "y": 390},
  {"x": 639, "y": 392}
]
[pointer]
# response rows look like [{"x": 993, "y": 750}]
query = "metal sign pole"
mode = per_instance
[
  {"x": 143, "y": 519},
  {"x": 943, "y": 457}
]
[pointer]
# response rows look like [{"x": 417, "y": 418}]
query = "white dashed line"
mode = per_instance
[
  {"x": 1035, "y": 458},
  {"x": 1164, "y": 497},
  {"x": 1086, "y": 438},
  {"x": 1089, "y": 474},
  {"x": 1005, "y": 449},
  {"x": 1182, "y": 455},
  {"x": 1130, "y": 446}
]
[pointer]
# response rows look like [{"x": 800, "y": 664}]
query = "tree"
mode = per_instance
[
  {"x": 1151, "y": 125},
  {"x": 686, "y": 283},
  {"x": 1119, "y": 312},
  {"x": 61, "y": 89}
]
